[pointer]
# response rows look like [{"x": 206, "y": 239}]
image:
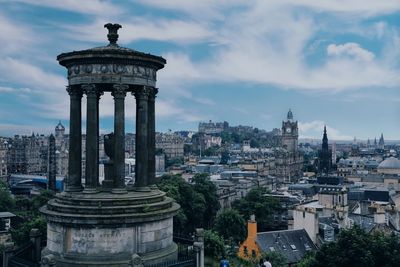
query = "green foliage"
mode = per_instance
[
  {"x": 276, "y": 259},
  {"x": 204, "y": 186},
  {"x": 173, "y": 161},
  {"x": 198, "y": 201},
  {"x": 28, "y": 209},
  {"x": 231, "y": 226},
  {"x": 7, "y": 203},
  {"x": 357, "y": 248},
  {"x": 193, "y": 203},
  {"x": 211, "y": 151},
  {"x": 213, "y": 245},
  {"x": 187, "y": 149},
  {"x": 308, "y": 260},
  {"x": 254, "y": 143},
  {"x": 20, "y": 234},
  {"x": 225, "y": 157},
  {"x": 263, "y": 207}
]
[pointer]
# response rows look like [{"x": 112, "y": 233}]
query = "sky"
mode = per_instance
[{"x": 332, "y": 62}]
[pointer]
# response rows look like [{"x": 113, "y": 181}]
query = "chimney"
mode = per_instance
[
  {"x": 379, "y": 214},
  {"x": 252, "y": 227}
]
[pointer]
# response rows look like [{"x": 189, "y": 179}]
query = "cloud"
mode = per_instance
[
  {"x": 259, "y": 49},
  {"x": 24, "y": 129},
  {"x": 23, "y": 73},
  {"x": 92, "y": 7},
  {"x": 143, "y": 28},
  {"x": 165, "y": 108},
  {"x": 204, "y": 101},
  {"x": 314, "y": 129},
  {"x": 5, "y": 89},
  {"x": 217, "y": 8},
  {"x": 15, "y": 37},
  {"x": 350, "y": 49}
]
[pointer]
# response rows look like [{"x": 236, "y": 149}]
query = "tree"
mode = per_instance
[
  {"x": 20, "y": 235},
  {"x": 204, "y": 186},
  {"x": 213, "y": 245},
  {"x": 354, "y": 247},
  {"x": 231, "y": 226},
  {"x": 254, "y": 143},
  {"x": 263, "y": 207},
  {"x": 173, "y": 161},
  {"x": 193, "y": 204},
  {"x": 276, "y": 259},
  {"x": 7, "y": 203},
  {"x": 225, "y": 156}
]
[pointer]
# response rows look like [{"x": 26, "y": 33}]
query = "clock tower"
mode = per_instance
[{"x": 290, "y": 134}]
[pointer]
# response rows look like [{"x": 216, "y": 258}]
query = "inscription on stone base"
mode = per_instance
[{"x": 97, "y": 241}]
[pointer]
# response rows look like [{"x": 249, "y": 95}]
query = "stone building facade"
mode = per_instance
[
  {"x": 288, "y": 158},
  {"x": 3, "y": 157},
  {"x": 171, "y": 144},
  {"x": 213, "y": 127}
]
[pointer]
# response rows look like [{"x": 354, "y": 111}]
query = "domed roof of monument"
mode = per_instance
[
  {"x": 390, "y": 163},
  {"x": 109, "y": 52}
]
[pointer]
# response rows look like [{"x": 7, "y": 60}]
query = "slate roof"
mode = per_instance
[
  {"x": 293, "y": 244},
  {"x": 365, "y": 222}
]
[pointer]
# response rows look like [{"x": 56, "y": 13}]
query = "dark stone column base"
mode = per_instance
[
  {"x": 122, "y": 260},
  {"x": 119, "y": 191},
  {"x": 90, "y": 190},
  {"x": 141, "y": 189},
  {"x": 106, "y": 229},
  {"x": 74, "y": 189}
]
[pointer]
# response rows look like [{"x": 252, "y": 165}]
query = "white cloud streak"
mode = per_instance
[
  {"x": 91, "y": 7},
  {"x": 350, "y": 49},
  {"x": 316, "y": 128}
]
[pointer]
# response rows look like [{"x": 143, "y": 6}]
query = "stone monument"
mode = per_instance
[{"x": 110, "y": 224}]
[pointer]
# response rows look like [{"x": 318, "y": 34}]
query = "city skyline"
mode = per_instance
[{"x": 230, "y": 60}]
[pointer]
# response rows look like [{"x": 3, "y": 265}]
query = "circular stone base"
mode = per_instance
[{"x": 106, "y": 229}]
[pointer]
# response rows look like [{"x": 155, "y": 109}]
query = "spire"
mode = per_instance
[
  {"x": 325, "y": 155},
  {"x": 325, "y": 140},
  {"x": 290, "y": 115},
  {"x": 381, "y": 140}
]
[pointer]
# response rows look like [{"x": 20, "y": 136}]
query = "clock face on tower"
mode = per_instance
[{"x": 288, "y": 130}]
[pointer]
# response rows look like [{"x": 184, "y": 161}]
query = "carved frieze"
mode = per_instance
[
  {"x": 131, "y": 70},
  {"x": 112, "y": 73}
]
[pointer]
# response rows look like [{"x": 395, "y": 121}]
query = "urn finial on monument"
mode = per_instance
[{"x": 112, "y": 32}]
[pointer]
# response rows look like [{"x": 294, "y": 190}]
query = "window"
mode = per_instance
[
  {"x": 246, "y": 252},
  {"x": 253, "y": 253}
]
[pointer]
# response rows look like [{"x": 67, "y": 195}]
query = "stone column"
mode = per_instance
[
  {"x": 73, "y": 181},
  {"x": 92, "y": 138},
  {"x": 151, "y": 128},
  {"x": 119, "y": 93},
  {"x": 35, "y": 239},
  {"x": 142, "y": 155}
]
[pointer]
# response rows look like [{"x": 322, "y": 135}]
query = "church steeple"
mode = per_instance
[
  {"x": 325, "y": 138},
  {"x": 381, "y": 142},
  {"x": 325, "y": 155}
]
